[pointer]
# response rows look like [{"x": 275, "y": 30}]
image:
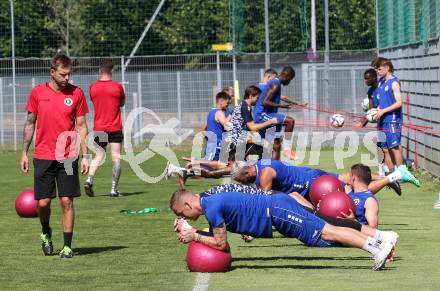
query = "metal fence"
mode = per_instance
[
  {"x": 184, "y": 86},
  {"x": 418, "y": 67}
]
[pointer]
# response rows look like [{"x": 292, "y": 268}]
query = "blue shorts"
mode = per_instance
[
  {"x": 393, "y": 134},
  {"x": 212, "y": 152},
  {"x": 291, "y": 220},
  {"x": 263, "y": 117}
]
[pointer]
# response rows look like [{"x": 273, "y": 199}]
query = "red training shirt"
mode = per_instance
[
  {"x": 56, "y": 137},
  {"x": 107, "y": 97}
]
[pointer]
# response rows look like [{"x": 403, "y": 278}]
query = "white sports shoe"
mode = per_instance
[
  {"x": 390, "y": 236},
  {"x": 381, "y": 257},
  {"x": 173, "y": 169}
]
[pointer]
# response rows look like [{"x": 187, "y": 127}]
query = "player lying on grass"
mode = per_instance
[
  {"x": 239, "y": 142},
  {"x": 367, "y": 208},
  {"x": 283, "y": 177},
  {"x": 349, "y": 221},
  {"x": 257, "y": 214}
]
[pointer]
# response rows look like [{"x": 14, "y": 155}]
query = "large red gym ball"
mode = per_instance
[
  {"x": 332, "y": 204},
  {"x": 323, "y": 185},
  {"x": 26, "y": 205},
  {"x": 201, "y": 258}
]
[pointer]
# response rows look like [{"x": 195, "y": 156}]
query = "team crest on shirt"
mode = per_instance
[
  {"x": 68, "y": 101},
  {"x": 356, "y": 201},
  {"x": 386, "y": 88}
]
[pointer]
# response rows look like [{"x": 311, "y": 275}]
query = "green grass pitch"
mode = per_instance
[{"x": 140, "y": 252}]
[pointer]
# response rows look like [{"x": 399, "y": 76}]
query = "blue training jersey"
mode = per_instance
[
  {"x": 386, "y": 99},
  {"x": 259, "y": 107},
  {"x": 373, "y": 94},
  {"x": 215, "y": 128},
  {"x": 359, "y": 199},
  {"x": 277, "y": 98},
  {"x": 240, "y": 212},
  {"x": 289, "y": 178}
]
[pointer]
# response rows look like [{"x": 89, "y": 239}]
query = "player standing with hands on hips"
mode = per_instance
[{"x": 57, "y": 109}]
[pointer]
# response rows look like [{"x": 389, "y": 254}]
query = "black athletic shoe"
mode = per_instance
[
  {"x": 396, "y": 187},
  {"x": 46, "y": 244},
  {"x": 88, "y": 187}
]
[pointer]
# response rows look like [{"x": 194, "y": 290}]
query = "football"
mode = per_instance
[
  {"x": 371, "y": 115},
  {"x": 365, "y": 104},
  {"x": 337, "y": 120}
]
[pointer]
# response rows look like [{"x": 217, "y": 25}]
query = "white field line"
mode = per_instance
[{"x": 202, "y": 282}]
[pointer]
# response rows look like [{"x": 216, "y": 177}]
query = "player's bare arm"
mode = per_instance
[
  {"x": 270, "y": 95},
  {"x": 218, "y": 240},
  {"x": 372, "y": 212},
  {"x": 293, "y": 102},
  {"x": 301, "y": 200},
  {"x": 266, "y": 177},
  {"x": 258, "y": 126},
  {"x": 220, "y": 117},
  {"x": 396, "y": 105},
  {"x": 28, "y": 133},
  {"x": 81, "y": 127}
]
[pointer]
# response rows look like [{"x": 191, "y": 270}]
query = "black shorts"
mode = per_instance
[
  {"x": 112, "y": 137},
  {"x": 251, "y": 149},
  {"x": 54, "y": 175}
]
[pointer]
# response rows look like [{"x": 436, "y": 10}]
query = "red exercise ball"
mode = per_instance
[
  {"x": 26, "y": 205},
  {"x": 332, "y": 204},
  {"x": 323, "y": 185},
  {"x": 201, "y": 258}
]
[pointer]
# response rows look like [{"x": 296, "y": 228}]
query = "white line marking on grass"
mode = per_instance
[{"x": 202, "y": 281}]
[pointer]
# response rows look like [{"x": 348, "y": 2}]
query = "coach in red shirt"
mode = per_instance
[
  {"x": 58, "y": 110},
  {"x": 108, "y": 97}
]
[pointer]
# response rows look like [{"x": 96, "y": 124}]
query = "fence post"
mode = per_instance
[
  {"x": 139, "y": 92},
  {"x": 353, "y": 88},
  {"x": 266, "y": 34},
  {"x": 305, "y": 80},
  {"x": 179, "y": 105},
  {"x": 2, "y": 134},
  {"x": 219, "y": 75},
  {"x": 123, "y": 86},
  {"x": 234, "y": 77},
  {"x": 135, "y": 124},
  {"x": 261, "y": 75}
]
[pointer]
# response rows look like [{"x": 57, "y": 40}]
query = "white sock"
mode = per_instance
[
  {"x": 394, "y": 176},
  {"x": 385, "y": 169},
  {"x": 381, "y": 171},
  {"x": 371, "y": 245},
  {"x": 380, "y": 235},
  {"x": 286, "y": 144},
  {"x": 377, "y": 235},
  {"x": 89, "y": 179}
]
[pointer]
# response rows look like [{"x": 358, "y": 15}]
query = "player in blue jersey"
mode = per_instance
[
  {"x": 370, "y": 78},
  {"x": 363, "y": 221},
  {"x": 367, "y": 208},
  {"x": 237, "y": 140},
  {"x": 267, "y": 108},
  {"x": 284, "y": 177},
  {"x": 216, "y": 122},
  {"x": 257, "y": 214},
  {"x": 389, "y": 113}
]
